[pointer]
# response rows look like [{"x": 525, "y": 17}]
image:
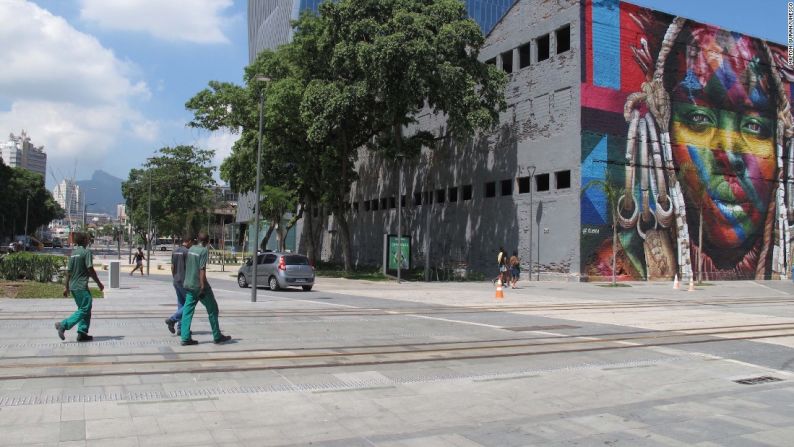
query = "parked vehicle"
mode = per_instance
[
  {"x": 278, "y": 270},
  {"x": 164, "y": 244},
  {"x": 28, "y": 243}
]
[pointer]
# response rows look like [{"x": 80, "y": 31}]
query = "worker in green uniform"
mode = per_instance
[
  {"x": 198, "y": 289},
  {"x": 80, "y": 268}
]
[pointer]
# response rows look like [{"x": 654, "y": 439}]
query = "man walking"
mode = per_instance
[
  {"x": 178, "y": 257},
  {"x": 79, "y": 269},
  {"x": 198, "y": 289}
]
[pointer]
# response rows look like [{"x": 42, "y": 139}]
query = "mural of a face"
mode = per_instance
[{"x": 722, "y": 131}]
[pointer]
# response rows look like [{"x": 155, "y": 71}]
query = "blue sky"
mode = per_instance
[{"x": 102, "y": 83}]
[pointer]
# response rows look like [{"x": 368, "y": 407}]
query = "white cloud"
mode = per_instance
[
  {"x": 68, "y": 92},
  {"x": 221, "y": 142},
  {"x": 195, "y": 21}
]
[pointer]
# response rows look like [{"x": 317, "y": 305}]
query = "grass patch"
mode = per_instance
[
  {"x": 619, "y": 284},
  {"x": 32, "y": 289},
  {"x": 328, "y": 270}
]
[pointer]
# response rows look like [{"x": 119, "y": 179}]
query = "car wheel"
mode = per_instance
[
  {"x": 273, "y": 283},
  {"x": 241, "y": 281},
  {"x": 307, "y": 288}
]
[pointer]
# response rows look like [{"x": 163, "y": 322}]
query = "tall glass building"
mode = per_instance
[{"x": 269, "y": 20}]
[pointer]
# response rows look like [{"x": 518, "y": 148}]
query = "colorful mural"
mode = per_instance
[{"x": 684, "y": 120}]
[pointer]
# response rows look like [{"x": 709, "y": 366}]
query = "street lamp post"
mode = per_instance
[
  {"x": 27, "y": 208},
  {"x": 399, "y": 223},
  {"x": 149, "y": 231},
  {"x": 531, "y": 180},
  {"x": 255, "y": 259}
]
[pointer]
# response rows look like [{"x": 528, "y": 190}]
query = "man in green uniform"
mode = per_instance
[
  {"x": 198, "y": 289},
  {"x": 80, "y": 268}
]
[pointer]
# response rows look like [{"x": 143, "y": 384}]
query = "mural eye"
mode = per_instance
[
  {"x": 755, "y": 127},
  {"x": 700, "y": 120}
]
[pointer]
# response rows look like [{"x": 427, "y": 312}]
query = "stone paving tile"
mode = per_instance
[
  {"x": 72, "y": 431},
  {"x": 116, "y": 442},
  {"x": 781, "y": 437},
  {"x": 109, "y": 428}
]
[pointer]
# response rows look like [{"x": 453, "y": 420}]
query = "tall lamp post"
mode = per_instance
[
  {"x": 531, "y": 178},
  {"x": 255, "y": 259},
  {"x": 27, "y": 208},
  {"x": 149, "y": 231},
  {"x": 399, "y": 221}
]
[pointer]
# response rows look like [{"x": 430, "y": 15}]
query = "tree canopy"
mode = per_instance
[
  {"x": 20, "y": 188},
  {"x": 355, "y": 75},
  {"x": 181, "y": 191}
]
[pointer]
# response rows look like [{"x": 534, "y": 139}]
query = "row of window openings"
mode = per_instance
[
  {"x": 562, "y": 180},
  {"x": 562, "y": 36}
]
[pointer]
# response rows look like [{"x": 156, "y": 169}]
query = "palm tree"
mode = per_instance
[{"x": 613, "y": 191}]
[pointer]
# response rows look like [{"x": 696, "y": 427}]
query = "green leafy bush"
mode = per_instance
[{"x": 41, "y": 268}]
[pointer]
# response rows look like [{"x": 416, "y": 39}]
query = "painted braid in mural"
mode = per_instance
[{"x": 719, "y": 117}]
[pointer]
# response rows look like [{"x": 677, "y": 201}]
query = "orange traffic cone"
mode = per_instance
[
  {"x": 692, "y": 284},
  {"x": 676, "y": 284},
  {"x": 499, "y": 294}
]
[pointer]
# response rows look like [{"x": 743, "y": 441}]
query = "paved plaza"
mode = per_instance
[{"x": 356, "y": 363}]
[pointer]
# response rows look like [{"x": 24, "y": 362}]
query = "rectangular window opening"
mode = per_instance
[
  {"x": 543, "y": 47},
  {"x": 524, "y": 55},
  {"x": 402, "y": 200},
  {"x": 374, "y": 204},
  {"x": 441, "y": 195},
  {"x": 417, "y": 198},
  {"x": 367, "y": 205},
  {"x": 523, "y": 185},
  {"x": 392, "y": 202},
  {"x": 453, "y": 194},
  {"x": 542, "y": 182},
  {"x": 507, "y": 61},
  {"x": 490, "y": 189},
  {"x": 507, "y": 187},
  {"x": 466, "y": 192},
  {"x": 491, "y": 61},
  {"x": 384, "y": 203},
  {"x": 562, "y": 179},
  {"x": 355, "y": 207},
  {"x": 563, "y": 37}
]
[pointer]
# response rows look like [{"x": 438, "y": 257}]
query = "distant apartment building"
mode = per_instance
[
  {"x": 121, "y": 212},
  {"x": 19, "y": 152},
  {"x": 67, "y": 194}
]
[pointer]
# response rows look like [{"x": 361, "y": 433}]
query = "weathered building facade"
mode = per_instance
[{"x": 674, "y": 116}]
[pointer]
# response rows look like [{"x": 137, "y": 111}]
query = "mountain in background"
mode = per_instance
[{"x": 104, "y": 190}]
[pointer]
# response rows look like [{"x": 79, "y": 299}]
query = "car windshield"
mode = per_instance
[{"x": 296, "y": 260}]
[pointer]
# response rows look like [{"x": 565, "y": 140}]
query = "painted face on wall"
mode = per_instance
[{"x": 722, "y": 133}]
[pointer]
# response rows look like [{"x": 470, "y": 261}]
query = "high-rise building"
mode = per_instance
[
  {"x": 67, "y": 194},
  {"x": 19, "y": 152},
  {"x": 121, "y": 212},
  {"x": 269, "y": 20}
]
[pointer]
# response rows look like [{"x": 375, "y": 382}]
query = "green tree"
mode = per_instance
[
  {"x": 612, "y": 190},
  {"x": 181, "y": 191},
  {"x": 354, "y": 75},
  {"x": 21, "y": 189},
  {"x": 375, "y": 64}
]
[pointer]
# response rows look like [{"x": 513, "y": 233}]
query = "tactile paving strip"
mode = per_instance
[{"x": 332, "y": 385}]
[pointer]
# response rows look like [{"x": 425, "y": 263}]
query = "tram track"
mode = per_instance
[
  {"x": 10, "y": 315},
  {"x": 186, "y": 362}
]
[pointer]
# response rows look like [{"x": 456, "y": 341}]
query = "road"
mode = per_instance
[{"x": 358, "y": 363}]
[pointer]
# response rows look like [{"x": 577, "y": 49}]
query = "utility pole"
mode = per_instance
[
  {"x": 27, "y": 208},
  {"x": 531, "y": 204},
  {"x": 149, "y": 232},
  {"x": 400, "y": 222},
  {"x": 255, "y": 257}
]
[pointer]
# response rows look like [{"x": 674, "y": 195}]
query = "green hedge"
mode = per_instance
[{"x": 41, "y": 268}]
